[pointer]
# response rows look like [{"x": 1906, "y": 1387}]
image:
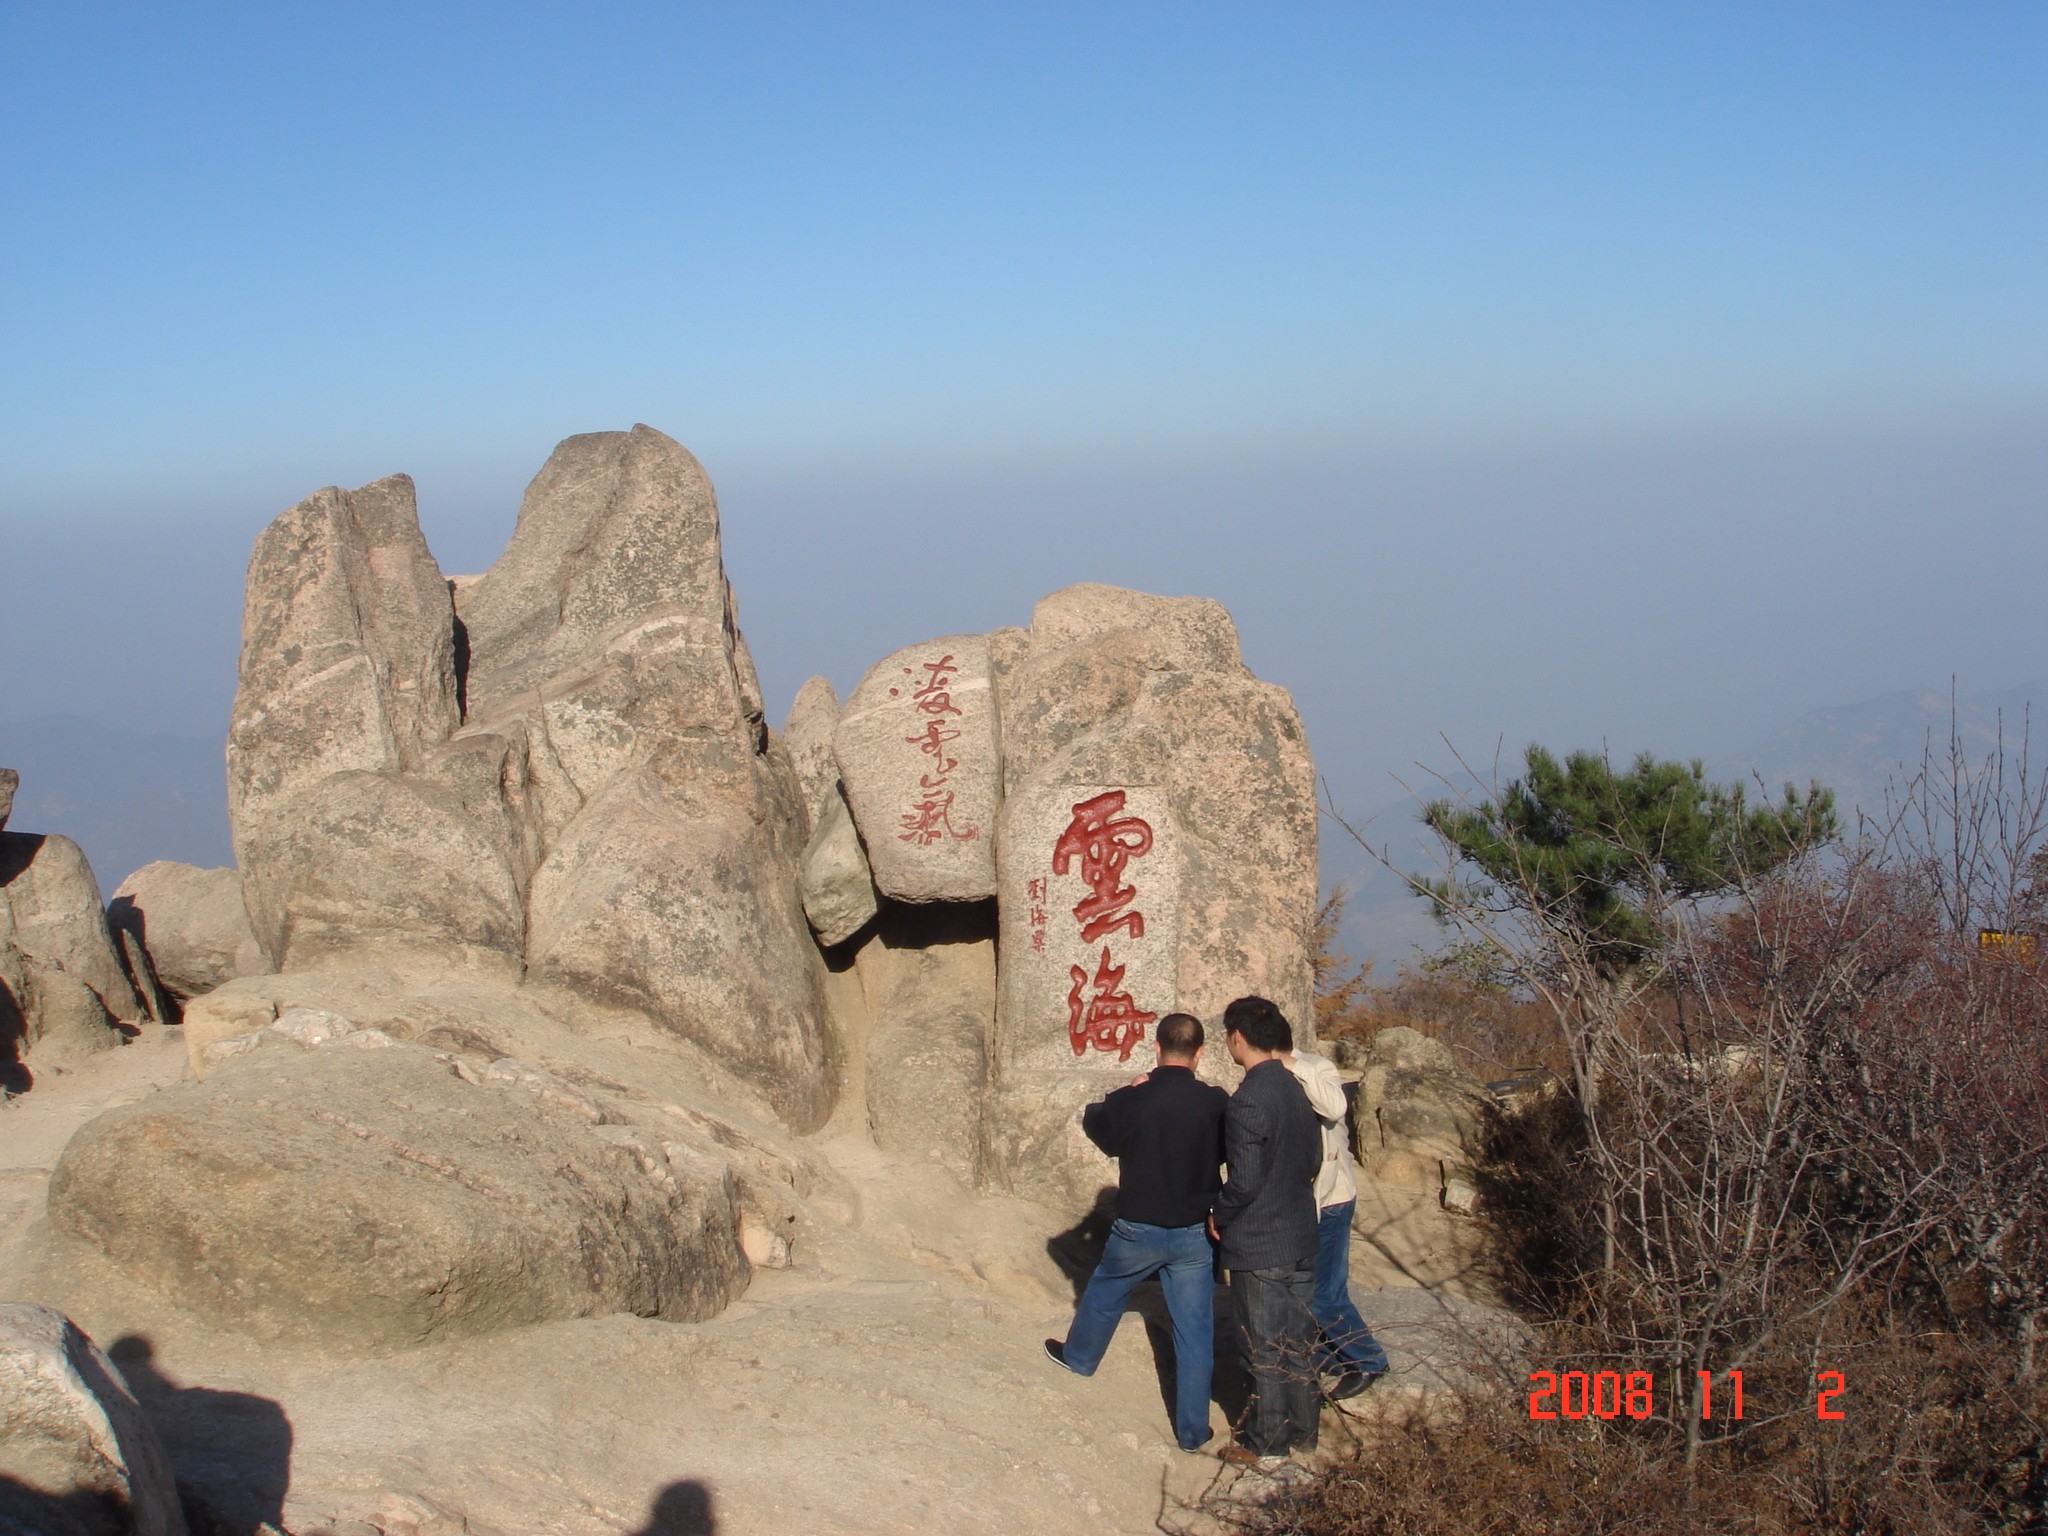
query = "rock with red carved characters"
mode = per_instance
[
  {"x": 918, "y": 755},
  {"x": 1159, "y": 855}
]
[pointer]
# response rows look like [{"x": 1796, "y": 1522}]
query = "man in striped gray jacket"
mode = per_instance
[{"x": 1266, "y": 1224}]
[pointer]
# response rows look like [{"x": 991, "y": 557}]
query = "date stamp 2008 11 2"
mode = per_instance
[{"x": 1610, "y": 1394}]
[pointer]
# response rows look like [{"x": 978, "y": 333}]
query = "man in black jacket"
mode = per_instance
[
  {"x": 1166, "y": 1133},
  {"x": 1266, "y": 1223}
]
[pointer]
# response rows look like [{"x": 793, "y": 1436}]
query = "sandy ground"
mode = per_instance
[{"x": 891, "y": 1381}]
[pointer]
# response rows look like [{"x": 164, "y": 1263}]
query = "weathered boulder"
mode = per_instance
[
  {"x": 10, "y": 781},
  {"x": 352, "y": 825},
  {"x": 839, "y": 891},
  {"x": 373, "y": 1198},
  {"x": 807, "y": 737},
  {"x": 569, "y": 780},
  {"x": 62, "y": 981},
  {"x": 78, "y": 1457},
  {"x": 918, "y": 755},
  {"x": 1158, "y": 838},
  {"x": 192, "y": 923},
  {"x": 50, "y": 911},
  {"x": 1421, "y": 1118},
  {"x": 667, "y": 822}
]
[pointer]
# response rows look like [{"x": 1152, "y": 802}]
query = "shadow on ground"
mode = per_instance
[
  {"x": 231, "y": 1451},
  {"x": 1079, "y": 1249},
  {"x": 681, "y": 1509}
]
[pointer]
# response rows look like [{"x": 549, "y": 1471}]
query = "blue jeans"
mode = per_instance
[
  {"x": 1347, "y": 1344},
  {"x": 1181, "y": 1258}
]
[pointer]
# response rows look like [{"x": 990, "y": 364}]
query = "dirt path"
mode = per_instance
[{"x": 892, "y": 1381}]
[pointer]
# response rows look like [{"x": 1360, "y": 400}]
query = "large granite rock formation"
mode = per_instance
[
  {"x": 334, "y": 1184},
  {"x": 570, "y": 779},
  {"x": 1158, "y": 840},
  {"x": 10, "y": 781},
  {"x": 78, "y": 1457},
  {"x": 1155, "y": 850},
  {"x": 192, "y": 923}
]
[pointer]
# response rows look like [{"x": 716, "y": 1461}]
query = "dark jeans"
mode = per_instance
[
  {"x": 1182, "y": 1259},
  {"x": 1347, "y": 1344},
  {"x": 1275, "y": 1307}
]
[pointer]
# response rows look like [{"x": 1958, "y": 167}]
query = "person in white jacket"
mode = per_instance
[{"x": 1348, "y": 1350}]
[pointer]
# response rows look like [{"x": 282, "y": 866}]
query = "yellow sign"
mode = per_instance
[{"x": 2004, "y": 941}]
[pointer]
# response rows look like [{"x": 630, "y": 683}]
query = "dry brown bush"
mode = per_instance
[{"x": 1811, "y": 1136}]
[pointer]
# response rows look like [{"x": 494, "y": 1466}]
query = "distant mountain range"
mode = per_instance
[
  {"x": 1857, "y": 750},
  {"x": 124, "y": 797},
  {"x": 128, "y": 798}
]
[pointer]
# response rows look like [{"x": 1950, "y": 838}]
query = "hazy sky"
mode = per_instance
[{"x": 1574, "y": 372}]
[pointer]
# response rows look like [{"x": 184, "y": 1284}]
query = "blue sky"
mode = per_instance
[{"x": 1580, "y": 372}]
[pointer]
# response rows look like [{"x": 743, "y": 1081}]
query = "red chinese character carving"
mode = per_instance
[
  {"x": 933, "y": 745},
  {"x": 934, "y": 696},
  {"x": 931, "y": 819},
  {"x": 1104, "y": 842},
  {"x": 1107, "y": 1020}
]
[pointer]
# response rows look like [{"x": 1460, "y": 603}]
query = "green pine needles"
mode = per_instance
[{"x": 1601, "y": 857}]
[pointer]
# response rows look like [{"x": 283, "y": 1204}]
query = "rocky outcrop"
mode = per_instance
[
  {"x": 353, "y": 826},
  {"x": 1421, "y": 1119},
  {"x": 839, "y": 891},
  {"x": 1158, "y": 837},
  {"x": 78, "y": 1457},
  {"x": 10, "y": 781},
  {"x": 334, "y": 1184},
  {"x": 807, "y": 737},
  {"x": 568, "y": 779},
  {"x": 1142, "y": 809},
  {"x": 63, "y": 984},
  {"x": 192, "y": 923}
]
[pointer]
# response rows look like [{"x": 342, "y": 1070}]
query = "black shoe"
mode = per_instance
[
  {"x": 1056, "y": 1352},
  {"x": 1351, "y": 1383}
]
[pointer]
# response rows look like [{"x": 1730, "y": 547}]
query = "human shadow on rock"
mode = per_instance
[
  {"x": 681, "y": 1509},
  {"x": 1079, "y": 1249},
  {"x": 231, "y": 1451}
]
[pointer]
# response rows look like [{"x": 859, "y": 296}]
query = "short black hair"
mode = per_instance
[
  {"x": 1179, "y": 1034},
  {"x": 1263, "y": 1025}
]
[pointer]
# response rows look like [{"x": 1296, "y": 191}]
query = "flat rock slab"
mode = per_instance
[{"x": 918, "y": 754}]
